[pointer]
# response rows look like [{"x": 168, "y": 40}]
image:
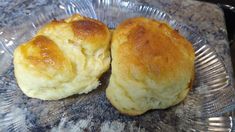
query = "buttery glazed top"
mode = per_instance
[
  {"x": 43, "y": 53},
  {"x": 80, "y": 28},
  {"x": 154, "y": 48}
]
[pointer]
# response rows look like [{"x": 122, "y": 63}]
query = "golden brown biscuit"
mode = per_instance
[
  {"x": 65, "y": 57},
  {"x": 152, "y": 66}
]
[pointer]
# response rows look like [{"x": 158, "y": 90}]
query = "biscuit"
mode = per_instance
[
  {"x": 152, "y": 66},
  {"x": 65, "y": 57}
]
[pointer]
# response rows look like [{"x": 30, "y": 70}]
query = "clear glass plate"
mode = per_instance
[{"x": 211, "y": 96}]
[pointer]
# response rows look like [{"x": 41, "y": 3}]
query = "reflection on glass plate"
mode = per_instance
[{"x": 211, "y": 96}]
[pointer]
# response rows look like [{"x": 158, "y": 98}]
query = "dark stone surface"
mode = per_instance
[{"x": 93, "y": 112}]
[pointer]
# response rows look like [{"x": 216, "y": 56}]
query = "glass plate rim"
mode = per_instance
[{"x": 203, "y": 39}]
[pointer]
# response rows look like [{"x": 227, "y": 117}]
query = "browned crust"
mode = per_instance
[
  {"x": 43, "y": 52},
  {"x": 90, "y": 31},
  {"x": 158, "y": 49},
  {"x": 88, "y": 28}
]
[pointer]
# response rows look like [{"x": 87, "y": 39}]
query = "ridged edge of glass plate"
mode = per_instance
[{"x": 207, "y": 96}]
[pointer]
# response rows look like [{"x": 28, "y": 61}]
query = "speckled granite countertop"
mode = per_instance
[{"x": 207, "y": 19}]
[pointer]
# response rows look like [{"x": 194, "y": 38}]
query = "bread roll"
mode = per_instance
[
  {"x": 65, "y": 57},
  {"x": 152, "y": 66}
]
